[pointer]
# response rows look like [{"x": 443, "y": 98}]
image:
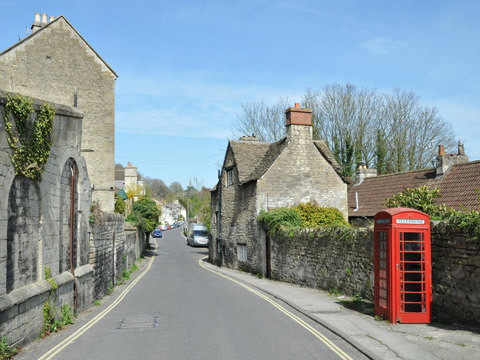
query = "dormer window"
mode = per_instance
[{"x": 229, "y": 177}]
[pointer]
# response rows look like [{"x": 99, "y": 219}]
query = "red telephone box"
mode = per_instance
[{"x": 402, "y": 266}]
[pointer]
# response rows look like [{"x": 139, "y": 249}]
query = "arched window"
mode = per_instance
[{"x": 68, "y": 217}]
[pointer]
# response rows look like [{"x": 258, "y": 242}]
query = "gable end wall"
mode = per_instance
[{"x": 54, "y": 64}]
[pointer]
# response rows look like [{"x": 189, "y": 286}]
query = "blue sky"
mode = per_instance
[{"x": 185, "y": 67}]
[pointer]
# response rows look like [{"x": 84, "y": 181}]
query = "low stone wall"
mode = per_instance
[
  {"x": 113, "y": 249},
  {"x": 21, "y": 311},
  {"x": 335, "y": 261},
  {"x": 455, "y": 275},
  {"x": 327, "y": 262}
]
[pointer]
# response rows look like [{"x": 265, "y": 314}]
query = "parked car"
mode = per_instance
[{"x": 157, "y": 233}]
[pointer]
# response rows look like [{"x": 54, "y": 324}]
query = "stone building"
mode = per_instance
[
  {"x": 454, "y": 175},
  {"x": 44, "y": 224},
  {"x": 260, "y": 176},
  {"x": 55, "y": 63}
]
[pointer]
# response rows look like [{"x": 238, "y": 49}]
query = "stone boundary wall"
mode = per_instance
[
  {"x": 325, "y": 262},
  {"x": 455, "y": 275},
  {"x": 21, "y": 311},
  {"x": 332, "y": 262},
  {"x": 113, "y": 249}
]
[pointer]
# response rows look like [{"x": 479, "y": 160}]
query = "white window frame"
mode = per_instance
[
  {"x": 242, "y": 252},
  {"x": 229, "y": 177}
]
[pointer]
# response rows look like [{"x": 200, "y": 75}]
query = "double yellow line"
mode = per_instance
[
  {"x": 55, "y": 350},
  {"x": 292, "y": 316}
]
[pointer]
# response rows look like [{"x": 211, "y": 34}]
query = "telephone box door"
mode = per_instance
[{"x": 413, "y": 275}]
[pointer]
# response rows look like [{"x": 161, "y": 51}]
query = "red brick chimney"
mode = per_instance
[
  {"x": 298, "y": 116},
  {"x": 299, "y": 124}
]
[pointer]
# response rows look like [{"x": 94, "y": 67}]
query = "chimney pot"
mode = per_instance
[
  {"x": 51, "y": 18},
  {"x": 441, "y": 150},
  {"x": 461, "y": 149},
  {"x": 44, "y": 19},
  {"x": 297, "y": 106},
  {"x": 37, "y": 17}
]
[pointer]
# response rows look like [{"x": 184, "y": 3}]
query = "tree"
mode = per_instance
[
  {"x": 157, "y": 187},
  {"x": 196, "y": 200},
  {"x": 176, "y": 188},
  {"x": 145, "y": 214},
  {"x": 361, "y": 126},
  {"x": 266, "y": 122}
]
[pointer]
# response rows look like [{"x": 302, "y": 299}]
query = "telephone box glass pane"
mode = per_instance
[{"x": 412, "y": 267}]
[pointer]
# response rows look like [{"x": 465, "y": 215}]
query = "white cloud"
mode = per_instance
[{"x": 382, "y": 45}]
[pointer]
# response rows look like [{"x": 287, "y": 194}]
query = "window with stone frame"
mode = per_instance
[
  {"x": 229, "y": 177},
  {"x": 242, "y": 252}
]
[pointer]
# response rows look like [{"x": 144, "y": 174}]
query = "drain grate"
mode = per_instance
[{"x": 138, "y": 322}]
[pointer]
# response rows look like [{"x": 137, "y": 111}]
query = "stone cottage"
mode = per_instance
[
  {"x": 260, "y": 176},
  {"x": 55, "y": 63},
  {"x": 454, "y": 175}
]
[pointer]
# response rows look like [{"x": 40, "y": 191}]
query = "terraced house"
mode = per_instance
[{"x": 260, "y": 176}]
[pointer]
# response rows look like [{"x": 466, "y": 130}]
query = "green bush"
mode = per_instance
[
  {"x": 6, "y": 352},
  {"x": 314, "y": 216},
  {"x": 119, "y": 205},
  {"x": 302, "y": 216},
  {"x": 422, "y": 199},
  {"x": 145, "y": 215},
  {"x": 468, "y": 222},
  {"x": 281, "y": 218}
]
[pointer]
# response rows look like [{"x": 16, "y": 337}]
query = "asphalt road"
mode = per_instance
[{"x": 179, "y": 310}]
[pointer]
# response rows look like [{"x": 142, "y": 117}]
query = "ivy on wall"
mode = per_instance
[{"x": 29, "y": 140}]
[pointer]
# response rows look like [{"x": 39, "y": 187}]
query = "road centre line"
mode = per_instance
[
  {"x": 292, "y": 316},
  {"x": 59, "y": 347}
]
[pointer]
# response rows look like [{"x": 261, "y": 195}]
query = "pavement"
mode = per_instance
[{"x": 377, "y": 339}]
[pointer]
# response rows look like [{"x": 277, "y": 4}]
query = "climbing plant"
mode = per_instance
[{"x": 30, "y": 141}]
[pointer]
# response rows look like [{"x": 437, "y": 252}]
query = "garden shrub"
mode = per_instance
[
  {"x": 307, "y": 215},
  {"x": 314, "y": 216},
  {"x": 280, "y": 218}
]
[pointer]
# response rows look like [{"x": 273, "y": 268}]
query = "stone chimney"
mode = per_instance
[
  {"x": 37, "y": 24},
  {"x": 40, "y": 20},
  {"x": 252, "y": 138},
  {"x": 299, "y": 123},
  {"x": 364, "y": 173},
  {"x": 445, "y": 161}
]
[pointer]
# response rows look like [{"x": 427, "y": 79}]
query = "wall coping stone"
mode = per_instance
[
  {"x": 83, "y": 270},
  {"x": 60, "y": 110}
]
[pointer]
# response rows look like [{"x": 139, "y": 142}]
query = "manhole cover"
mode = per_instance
[{"x": 138, "y": 322}]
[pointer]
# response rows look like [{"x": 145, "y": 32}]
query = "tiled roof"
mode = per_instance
[
  {"x": 253, "y": 158},
  {"x": 457, "y": 188},
  {"x": 327, "y": 154}
]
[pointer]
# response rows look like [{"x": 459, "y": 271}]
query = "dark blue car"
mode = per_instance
[{"x": 157, "y": 233}]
